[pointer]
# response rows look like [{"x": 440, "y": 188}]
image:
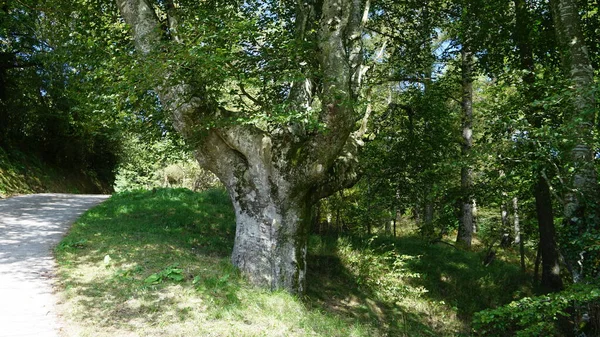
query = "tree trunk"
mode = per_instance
[
  {"x": 516, "y": 223},
  {"x": 271, "y": 238},
  {"x": 517, "y": 229},
  {"x": 551, "y": 280},
  {"x": 395, "y": 219},
  {"x": 536, "y": 268},
  {"x": 465, "y": 229},
  {"x": 273, "y": 175},
  {"x": 580, "y": 214},
  {"x": 428, "y": 229},
  {"x": 504, "y": 212},
  {"x": 475, "y": 225}
]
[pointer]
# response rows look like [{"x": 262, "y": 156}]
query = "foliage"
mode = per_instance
[
  {"x": 380, "y": 268},
  {"x": 49, "y": 102},
  {"x": 571, "y": 312},
  {"x": 171, "y": 273},
  {"x": 163, "y": 162}
]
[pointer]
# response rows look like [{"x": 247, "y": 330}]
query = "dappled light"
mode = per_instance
[{"x": 292, "y": 168}]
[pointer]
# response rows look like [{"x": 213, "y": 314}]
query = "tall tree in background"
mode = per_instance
[
  {"x": 466, "y": 224},
  {"x": 580, "y": 209},
  {"x": 273, "y": 171},
  {"x": 543, "y": 200}
]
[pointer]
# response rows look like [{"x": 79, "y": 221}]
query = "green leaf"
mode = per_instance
[{"x": 153, "y": 279}]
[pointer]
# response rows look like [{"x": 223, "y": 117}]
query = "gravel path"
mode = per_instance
[{"x": 30, "y": 226}]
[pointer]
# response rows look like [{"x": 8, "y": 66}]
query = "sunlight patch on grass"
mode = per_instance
[{"x": 141, "y": 272}]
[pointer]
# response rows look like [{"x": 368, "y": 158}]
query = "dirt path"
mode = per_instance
[{"x": 30, "y": 226}]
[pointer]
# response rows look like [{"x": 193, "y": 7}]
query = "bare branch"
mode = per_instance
[{"x": 250, "y": 97}]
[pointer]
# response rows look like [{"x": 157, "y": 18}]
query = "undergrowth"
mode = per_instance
[
  {"x": 156, "y": 263},
  {"x": 571, "y": 312},
  {"x": 22, "y": 173}
]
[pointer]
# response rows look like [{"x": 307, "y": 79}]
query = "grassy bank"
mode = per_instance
[
  {"x": 157, "y": 264},
  {"x": 22, "y": 173}
]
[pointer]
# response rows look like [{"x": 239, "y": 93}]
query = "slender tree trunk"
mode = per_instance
[
  {"x": 522, "y": 254},
  {"x": 317, "y": 223},
  {"x": 504, "y": 207},
  {"x": 536, "y": 268},
  {"x": 580, "y": 214},
  {"x": 516, "y": 224},
  {"x": 465, "y": 229},
  {"x": 395, "y": 219},
  {"x": 475, "y": 225},
  {"x": 388, "y": 228},
  {"x": 427, "y": 228},
  {"x": 517, "y": 229},
  {"x": 369, "y": 224},
  {"x": 428, "y": 224},
  {"x": 504, "y": 214},
  {"x": 551, "y": 280}
]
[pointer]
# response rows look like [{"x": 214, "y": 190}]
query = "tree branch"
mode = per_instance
[
  {"x": 344, "y": 173},
  {"x": 250, "y": 97}
]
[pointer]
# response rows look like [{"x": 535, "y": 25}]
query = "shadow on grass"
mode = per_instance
[
  {"x": 121, "y": 260},
  {"x": 460, "y": 278},
  {"x": 149, "y": 233},
  {"x": 333, "y": 288},
  {"x": 453, "y": 278}
]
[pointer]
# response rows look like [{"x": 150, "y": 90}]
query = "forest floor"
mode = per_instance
[{"x": 156, "y": 263}]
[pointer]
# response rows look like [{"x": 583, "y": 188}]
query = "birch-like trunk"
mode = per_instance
[
  {"x": 465, "y": 229},
  {"x": 579, "y": 210}
]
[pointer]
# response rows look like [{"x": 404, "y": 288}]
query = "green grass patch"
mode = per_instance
[
  {"x": 156, "y": 263},
  {"x": 23, "y": 173}
]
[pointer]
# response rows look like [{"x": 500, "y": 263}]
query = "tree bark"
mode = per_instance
[
  {"x": 551, "y": 280},
  {"x": 465, "y": 229},
  {"x": 273, "y": 177},
  {"x": 517, "y": 229},
  {"x": 428, "y": 227},
  {"x": 579, "y": 211}
]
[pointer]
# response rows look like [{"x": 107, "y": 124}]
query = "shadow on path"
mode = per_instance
[{"x": 30, "y": 226}]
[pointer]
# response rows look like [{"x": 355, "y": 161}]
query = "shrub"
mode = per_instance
[{"x": 572, "y": 312}]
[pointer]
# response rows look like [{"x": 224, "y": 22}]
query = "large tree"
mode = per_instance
[{"x": 274, "y": 170}]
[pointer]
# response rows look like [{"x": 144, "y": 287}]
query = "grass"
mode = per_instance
[
  {"x": 22, "y": 173},
  {"x": 156, "y": 263}
]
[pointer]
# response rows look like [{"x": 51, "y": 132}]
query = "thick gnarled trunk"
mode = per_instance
[
  {"x": 273, "y": 175},
  {"x": 270, "y": 240}
]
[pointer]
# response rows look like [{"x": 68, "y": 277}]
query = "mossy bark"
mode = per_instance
[{"x": 273, "y": 175}]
